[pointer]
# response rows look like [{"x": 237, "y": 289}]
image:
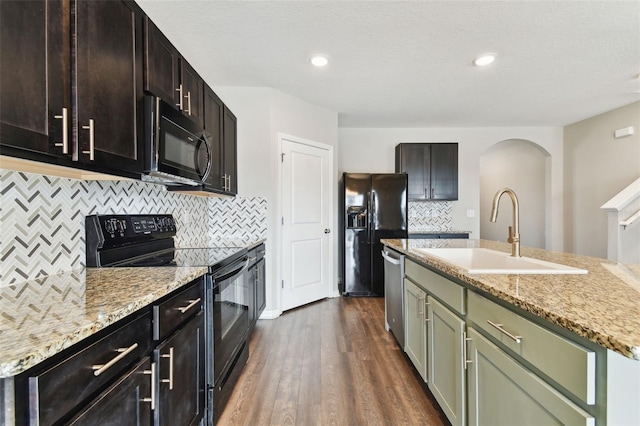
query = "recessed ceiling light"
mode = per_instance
[
  {"x": 484, "y": 59},
  {"x": 319, "y": 60}
]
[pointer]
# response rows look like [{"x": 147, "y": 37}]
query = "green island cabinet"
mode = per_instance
[{"x": 487, "y": 362}]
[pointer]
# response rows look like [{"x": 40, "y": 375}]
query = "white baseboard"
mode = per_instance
[
  {"x": 335, "y": 293},
  {"x": 271, "y": 314}
]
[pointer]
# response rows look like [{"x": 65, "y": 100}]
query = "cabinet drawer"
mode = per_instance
[
  {"x": 442, "y": 288},
  {"x": 170, "y": 314},
  {"x": 59, "y": 389},
  {"x": 569, "y": 364}
]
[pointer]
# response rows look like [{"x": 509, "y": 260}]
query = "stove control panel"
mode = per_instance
[
  {"x": 126, "y": 229},
  {"x": 110, "y": 237}
]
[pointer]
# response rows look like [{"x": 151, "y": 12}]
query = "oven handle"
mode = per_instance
[{"x": 225, "y": 274}]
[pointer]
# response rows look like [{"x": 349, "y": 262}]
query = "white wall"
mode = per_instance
[
  {"x": 597, "y": 166},
  {"x": 523, "y": 165},
  {"x": 263, "y": 113},
  {"x": 372, "y": 150}
]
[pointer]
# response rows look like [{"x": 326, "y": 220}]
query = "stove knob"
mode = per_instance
[{"x": 109, "y": 227}]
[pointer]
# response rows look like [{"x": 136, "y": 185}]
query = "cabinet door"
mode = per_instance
[
  {"x": 192, "y": 92},
  {"x": 213, "y": 118},
  {"x": 413, "y": 159},
  {"x": 415, "y": 342},
  {"x": 502, "y": 392},
  {"x": 181, "y": 376},
  {"x": 162, "y": 72},
  {"x": 444, "y": 171},
  {"x": 445, "y": 360},
  {"x": 127, "y": 402},
  {"x": 230, "y": 151},
  {"x": 35, "y": 93},
  {"x": 109, "y": 83},
  {"x": 261, "y": 301}
]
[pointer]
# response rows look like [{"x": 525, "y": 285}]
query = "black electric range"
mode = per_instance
[{"x": 147, "y": 241}]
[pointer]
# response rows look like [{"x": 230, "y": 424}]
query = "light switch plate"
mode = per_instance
[{"x": 471, "y": 213}]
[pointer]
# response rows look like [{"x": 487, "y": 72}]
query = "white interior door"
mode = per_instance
[{"x": 306, "y": 221}]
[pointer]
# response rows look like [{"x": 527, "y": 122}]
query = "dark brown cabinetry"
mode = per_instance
[
  {"x": 119, "y": 376},
  {"x": 75, "y": 73},
  {"x": 230, "y": 142},
  {"x": 108, "y": 64},
  {"x": 181, "y": 387},
  {"x": 180, "y": 358},
  {"x": 169, "y": 76},
  {"x": 57, "y": 389},
  {"x": 213, "y": 119},
  {"x": 432, "y": 170},
  {"x": 127, "y": 402},
  {"x": 256, "y": 280},
  {"x": 35, "y": 68}
]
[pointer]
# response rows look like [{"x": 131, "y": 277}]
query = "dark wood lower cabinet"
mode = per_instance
[
  {"x": 181, "y": 387},
  {"x": 127, "y": 402}
]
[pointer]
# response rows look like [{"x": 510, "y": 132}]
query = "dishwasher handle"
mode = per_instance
[{"x": 390, "y": 259}]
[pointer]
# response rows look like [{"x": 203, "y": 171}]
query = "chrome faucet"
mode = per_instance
[{"x": 514, "y": 232}]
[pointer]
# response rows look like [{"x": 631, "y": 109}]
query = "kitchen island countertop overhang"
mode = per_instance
[{"x": 602, "y": 306}]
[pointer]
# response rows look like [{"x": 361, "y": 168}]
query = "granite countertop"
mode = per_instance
[
  {"x": 40, "y": 318},
  {"x": 602, "y": 306}
]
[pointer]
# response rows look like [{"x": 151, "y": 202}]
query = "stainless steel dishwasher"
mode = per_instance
[{"x": 394, "y": 293}]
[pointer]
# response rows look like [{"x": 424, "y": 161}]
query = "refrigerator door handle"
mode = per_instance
[{"x": 370, "y": 217}]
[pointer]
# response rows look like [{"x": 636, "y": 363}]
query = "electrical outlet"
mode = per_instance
[{"x": 471, "y": 213}]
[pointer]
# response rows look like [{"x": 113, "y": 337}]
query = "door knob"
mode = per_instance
[{"x": 326, "y": 231}]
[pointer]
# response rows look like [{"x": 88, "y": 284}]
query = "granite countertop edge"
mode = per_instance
[{"x": 605, "y": 330}]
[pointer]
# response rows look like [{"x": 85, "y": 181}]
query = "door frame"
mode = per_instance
[{"x": 279, "y": 211}]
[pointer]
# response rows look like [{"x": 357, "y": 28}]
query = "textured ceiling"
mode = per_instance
[{"x": 408, "y": 64}]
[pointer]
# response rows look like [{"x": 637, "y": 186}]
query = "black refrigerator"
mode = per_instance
[{"x": 373, "y": 207}]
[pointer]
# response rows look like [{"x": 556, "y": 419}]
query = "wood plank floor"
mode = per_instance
[{"x": 329, "y": 363}]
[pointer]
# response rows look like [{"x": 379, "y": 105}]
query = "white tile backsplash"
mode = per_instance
[{"x": 42, "y": 219}]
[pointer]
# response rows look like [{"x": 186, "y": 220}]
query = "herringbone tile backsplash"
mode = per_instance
[
  {"x": 42, "y": 219},
  {"x": 430, "y": 216}
]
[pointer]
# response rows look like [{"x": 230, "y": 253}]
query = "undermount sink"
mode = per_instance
[{"x": 486, "y": 261}]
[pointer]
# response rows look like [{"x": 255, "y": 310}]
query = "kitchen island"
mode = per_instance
[{"x": 595, "y": 317}]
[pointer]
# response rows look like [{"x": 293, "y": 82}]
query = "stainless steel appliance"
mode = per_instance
[
  {"x": 177, "y": 151},
  {"x": 394, "y": 293},
  {"x": 374, "y": 206},
  {"x": 147, "y": 240}
]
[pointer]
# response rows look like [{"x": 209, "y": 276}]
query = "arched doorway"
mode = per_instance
[{"x": 524, "y": 167}]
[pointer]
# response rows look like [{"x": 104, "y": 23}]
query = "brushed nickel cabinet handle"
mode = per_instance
[
  {"x": 65, "y": 130},
  {"x": 465, "y": 339},
  {"x": 426, "y": 316},
  {"x": 420, "y": 312},
  {"x": 170, "y": 379},
  {"x": 179, "y": 90},
  {"x": 188, "y": 102},
  {"x": 498, "y": 326},
  {"x": 92, "y": 141},
  {"x": 191, "y": 304},
  {"x": 101, "y": 368},
  {"x": 152, "y": 399}
]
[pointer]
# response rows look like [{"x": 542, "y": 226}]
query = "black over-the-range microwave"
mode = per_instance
[{"x": 177, "y": 151}]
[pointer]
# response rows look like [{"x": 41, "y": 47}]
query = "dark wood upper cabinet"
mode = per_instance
[
  {"x": 192, "y": 92},
  {"x": 230, "y": 143},
  {"x": 169, "y": 76},
  {"x": 75, "y": 73},
  {"x": 109, "y": 83},
  {"x": 213, "y": 113},
  {"x": 162, "y": 65},
  {"x": 35, "y": 68},
  {"x": 432, "y": 170}
]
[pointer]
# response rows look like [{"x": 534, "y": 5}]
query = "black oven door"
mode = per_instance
[{"x": 231, "y": 301}]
